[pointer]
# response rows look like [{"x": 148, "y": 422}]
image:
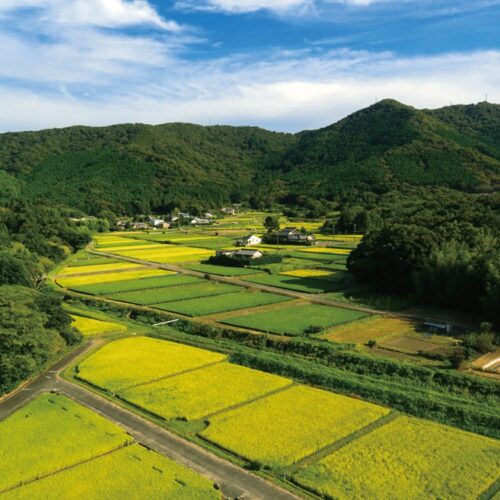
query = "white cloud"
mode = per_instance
[
  {"x": 242, "y": 6},
  {"x": 282, "y": 93}
]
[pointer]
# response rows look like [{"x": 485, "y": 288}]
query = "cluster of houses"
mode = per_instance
[
  {"x": 183, "y": 219},
  {"x": 290, "y": 235}
]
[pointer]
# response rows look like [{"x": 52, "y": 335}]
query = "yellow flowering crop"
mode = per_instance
[
  {"x": 136, "y": 360},
  {"x": 115, "y": 266},
  {"x": 89, "y": 326},
  {"x": 283, "y": 428},
  {"x": 408, "y": 458},
  {"x": 50, "y": 433},
  {"x": 336, "y": 251},
  {"x": 144, "y": 272},
  {"x": 134, "y": 473},
  {"x": 202, "y": 392},
  {"x": 308, "y": 273}
]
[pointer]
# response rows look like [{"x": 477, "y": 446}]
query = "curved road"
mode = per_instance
[{"x": 233, "y": 481}]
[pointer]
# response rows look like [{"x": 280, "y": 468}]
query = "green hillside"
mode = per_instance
[{"x": 137, "y": 168}]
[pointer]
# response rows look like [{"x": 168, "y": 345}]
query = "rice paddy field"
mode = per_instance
[
  {"x": 90, "y": 327},
  {"x": 295, "y": 320},
  {"x": 222, "y": 303},
  {"x": 320, "y": 256},
  {"x": 166, "y": 253},
  {"x": 99, "y": 268},
  {"x": 198, "y": 393},
  {"x": 300, "y": 284},
  {"x": 327, "y": 250},
  {"x": 220, "y": 270},
  {"x": 132, "y": 472},
  {"x": 137, "y": 360},
  {"x": 40, "y": 450},
  {"x": 143, "y": 272},
  {"x": 290, "y": 425},
  {"x": 311, "y": 273},
  {"x": 169, "y": 279},
  {"x": 421, "y": 459},
  {"x": 160, "y": 296}
]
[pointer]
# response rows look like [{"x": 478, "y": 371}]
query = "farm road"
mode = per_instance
[{"x": 234, "y": 481}]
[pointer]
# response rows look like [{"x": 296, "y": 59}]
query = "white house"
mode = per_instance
[
  {"x": 248, "y": 241},
  {"x": 248, "y": 254}
]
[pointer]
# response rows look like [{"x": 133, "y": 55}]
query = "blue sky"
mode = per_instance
[{"x": 280, "y": 64}]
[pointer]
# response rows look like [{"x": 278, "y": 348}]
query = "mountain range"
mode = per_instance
[{"x": 134, "y": 168}]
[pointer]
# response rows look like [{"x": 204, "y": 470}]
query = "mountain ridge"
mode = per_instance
[{"x": 131, "y": 168}]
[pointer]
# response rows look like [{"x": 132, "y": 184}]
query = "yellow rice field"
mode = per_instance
[
  {"x": 100, "y": 268},
  {"x": 372, "y": 329},
  {"x": 167, "y": 253},
  {"x": 201, "y": 392},
  {"x": 408, "y": 458},
  {"x": 132, "y": 473},
  {"x": 337, "y": 251},
  {"x": 308, "y": 273},
  {"x": 136, "y": 360},
  {"x": 144, "y": 272},
  {"x": 130, "y": 247},
  {"x": 90, "y": 327},
  {"x": 283, "y": 428}
]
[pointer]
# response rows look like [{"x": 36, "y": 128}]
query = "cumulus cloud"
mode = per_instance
[{"x": 242, "y": 6}]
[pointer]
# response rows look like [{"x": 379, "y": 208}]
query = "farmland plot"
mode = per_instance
[
  {"x": 170, "y": 279},
  {"x": 221, "y": 270},
  {"x": 168, "y": 253},
  {"x": 134, "y": 473},
  {"x": 411, "y": 458},
  {"x": 159, "y": 296},
  {"x": 99, "y": 268},
  {"x": 137, "y": 360},
  {"x": 144, "y": 272},
  {"x": 290, "y": 425},
  {"x": 222, "y": 303},
  {"x": 328, "y": 250},
  {"x": 201, "y": 392},
  {"x": 89, "y": 326},
  {"x": 308, "y": 285},
  {"x": 294, "y": 321},
  {"x": 50, "y": 433}
]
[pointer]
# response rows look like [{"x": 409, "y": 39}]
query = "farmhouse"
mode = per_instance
[
  {"x": 247, "y": 241},
  {"x": 200, "y": 222},
  {"x": 228, "y": 211},
  {"x": 248, "y": 254}
]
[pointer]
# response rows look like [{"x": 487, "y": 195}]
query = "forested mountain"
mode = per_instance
[{"x": 138, "y": 168}]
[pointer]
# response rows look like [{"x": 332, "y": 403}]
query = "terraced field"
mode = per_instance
[
  {"x": 421, "y": 459},
  {"x": 296, "y": 320},
  {"x": 168, "y": 279},
  {"x": 290, "y": 425},
  {"x": 201, "y": 392},
  {"x": 34, "y": 428},
  {"x": 222, "y": 303},
  {"x": 137, "y": 360},
  {"x": 160, "y": 296},
  {"x": 90, "y": 327}
]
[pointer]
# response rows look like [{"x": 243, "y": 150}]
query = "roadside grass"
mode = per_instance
[
  {"x": 223, "y": 303},
  {"x": 159, "y": 296},
  {"x": 90, "y": 327},
  {"x": 301, "y": 284},
  {"x": 295, "y": 320},
  {"x": 170, "y": 279},
  {"x": 202, "y": 392},
  {"x": 416, "y": 458},
  {"x": 136, "y": 360},
  {"x": 50, "y": 433},
  {"x": 133, "y": 472},
  {"x": 289, "y": 425},
  {"x": 144, "y": 272}
]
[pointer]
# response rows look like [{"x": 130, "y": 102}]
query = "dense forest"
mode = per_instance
[
  {"x": 34, "y": 328},
  {"x": 132, "y": 168}
]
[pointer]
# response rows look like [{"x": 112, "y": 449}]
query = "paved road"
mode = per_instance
[{"x": 234, "y": 481}]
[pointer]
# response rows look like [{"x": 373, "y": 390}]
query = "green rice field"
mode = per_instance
[
  {"x": 221, "y": 303},
  {"x": 137, "y": 284},
  {"x": 221, "y": 270},
  {"x": 308, "y": 285},
  {"x": 158, "y": 296},
  {"x": 295, "y": 320}
]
